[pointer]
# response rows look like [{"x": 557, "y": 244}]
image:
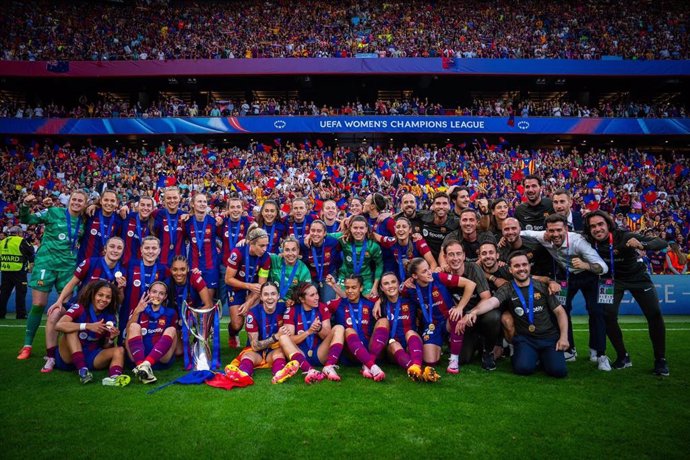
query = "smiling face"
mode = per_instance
[
  {"x": 599, "y": 228},
  {"x": 150, "y": 250},
  {"x": 114, "y": 249},
  {"x": 423, "y": 274},
  {"x": 402, "y": 230},
  {"x": 290, "y": 252},
  {"x": 520, "y": 268},
  {"x": 462, "y": 201},
  {"x": 258, "y": 247},
  {"x": 440, "y": 207},
  {"x": 310, "y": 298},
  {"x": 108, "y": 203},
  {"x": 488, "y": 256},
  {"x": 269, "y": 296},
  {"x": 145, "y": 208},
  {"x": 77, "y": 203},
  {"x": 235, "y": 209},
  {"x": 317, "y": 233},
  {"x": 179, "y": 270},
  {"x": 359, "y": 230},
  {"x": 390, "y": 286},
  {"x": 562, "y": 204},
  {"x": 330, "y": 210},
  {"x": 102, "y": 298},
  {"x": 269, "y": 213},
  {"x": 556, "y": 231},
  {"x": 511, "y": 230},
  {"x": 157, "y": 294},
  {"x": 355, "y": 207},
  {"x": 200, "y": 204},
  {"x": 171, "y": 198},
  {"x": 299, "y": 210},
  {"x": 532, "y": 190},
  {"x": 409, "y": 204},
  {"x": 468, "y": 223},
  {"x": 500, "y": 210},
  {"x": 455, "y": 256}
]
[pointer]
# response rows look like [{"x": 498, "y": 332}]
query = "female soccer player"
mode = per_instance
[
  {"x": 89, "y": 331},
  {"x": 439, "y": 314},
  {"x": 107, "y": 268},
  {"x": 269, "y": 220},
  {"x": 232, "y": 230},
  {"x": 404, "y": 343},
  {"x": 355, "y": 207},
  {"x": 56, "y": 258},
  {"x": 365, "y": 337},
  {"x": 200, "y": 233},
  {"x": 300, "y": 219},
  {"x": 398, "y": 250},
  {"x": 152, "y": 333},
  {"x": 286, "y": 269},
  {"x": 136, "y": 226},
  {"x": 311, "y": 340},
  {"x": 247, "y": 270},
  {"x": 168, "y": 227},
  {"x": 374, "y": 205},
  {"x": 323, "y": 256},
  {"x": 104, "y": 224},
  {"x": 187, "y": 286},
  {"x": 264, "y": 328},
  {"x": 360, "y": 253}
]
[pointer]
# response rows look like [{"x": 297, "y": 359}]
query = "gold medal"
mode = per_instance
[
  {"x": 432, "y": 327},
  {"x": 310, "y": 353},
  {"x": 532, "y": 328}
]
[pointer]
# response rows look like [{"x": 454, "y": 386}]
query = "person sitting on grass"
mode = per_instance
[
  {"x": 89, "y": 332},
  {"x": 152, "y": 333}
]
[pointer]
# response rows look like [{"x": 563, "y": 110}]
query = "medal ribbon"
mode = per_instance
[
  {"x": 530, "y": 308},
  {"x": 358, "y": 264},
  {"x": 284, "y": 288},
  {"x": 428, "y": 315}
]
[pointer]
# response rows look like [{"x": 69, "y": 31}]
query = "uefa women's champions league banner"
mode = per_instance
[
  {"x": 345, "y": 124},
  {"x": 673, "y": 291}
]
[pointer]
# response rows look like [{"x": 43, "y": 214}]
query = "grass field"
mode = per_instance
[{"x": 621, "y": 414}]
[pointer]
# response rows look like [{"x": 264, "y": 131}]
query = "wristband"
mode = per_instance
[{"x": 82, "y": 326}]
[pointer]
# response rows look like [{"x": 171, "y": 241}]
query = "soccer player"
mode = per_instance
[
  {"x": 323, "y": 257},
  {"x": 233, "y": 229},
  {"x": 136, "y": 226},
  {"x": 582, "y": 265},
  {"x": 104, "y": 224},
  {"x": 329, "y": 215},
  {"x": 269, "y": 220},
  {"x": 152, "y": 333},
  {"x": 374, "y": 205},
  {"x": 488, "y": 328},
  {"x": 300, "y": 219},
  {"x": 168, "y": 227},
  {"x": 264, "y": 326},
  {"x": 89, "y": 331},
  {"x": 56, "y": 257},
  {"x": 360, "y": 254},
  {"x": 355, "y": 206},
  {"x": 365, "y": 336},
  {"x": 537, "y": 338},
  {"x": 532, "y": 213},
  {"x": 404, "y": 343},
  {"x": 311, "y": 340},
  {"x": 287, "y": 271},
  {"x": 247, "y": 270},
  {"x": 141, "y": 274},
  {"x": 106, "y": 268},
  {"x": 398, "y": 250},
  {"x": 200, "y": 232},
  {"x": 627, "y": 272},
  {"x": 440, "y": 315}
]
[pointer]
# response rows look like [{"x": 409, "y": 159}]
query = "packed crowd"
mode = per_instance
[
  {"x": 174, "y": 107},
  {"x": 45, "y": 30},
  {"x": 642, "y": 191}
]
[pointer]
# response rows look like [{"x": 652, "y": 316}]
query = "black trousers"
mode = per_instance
[
  {"x": 486, "y": 330},
  {"x": 10, "y": 282},
  {"x": 646, "y": 296}
]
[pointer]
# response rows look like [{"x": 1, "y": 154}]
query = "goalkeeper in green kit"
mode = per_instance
[{"x": 56, "y": 258}]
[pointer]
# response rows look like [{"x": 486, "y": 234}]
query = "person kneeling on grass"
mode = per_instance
[
  {"x": 537, "y": 338},
  {"x": 152, "y": 333},
  {"x": 90, "y": 345},
  {"x": 264, "y": 325},
  {"x": 311, "y": 341}
]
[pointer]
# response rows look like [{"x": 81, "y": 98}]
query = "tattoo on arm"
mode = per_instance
[{"x": 262, "y": 344}]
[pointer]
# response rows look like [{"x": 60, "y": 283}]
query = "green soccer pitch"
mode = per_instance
[{"x": 590, "y": 414}]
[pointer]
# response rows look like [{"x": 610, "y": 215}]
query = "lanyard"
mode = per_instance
[
  {"x": 184, "y": 294},
  {"x": 304, "y": 229},
  {"x": 271, "y": 233},
  {"x": 233, "y": 233},
  {"x": 105, "y": 226},
  {"x": 199, "y": 232},
  {"x": 613, "y": 271},
  {"x": 266, "y": 329},
  {"x": 396, "y": 316},
  {"x": 138, "y": 224},
  {"x": 401, "y": 268},
  {"x": 284, "y": 288},
  {"x": 248, "y": 276},
  {"x": 152, "y": 314},
  {"x": 146, "y": 281},
  {"x": 567, "y": 260},
  {"x": 306, "y": 324},
  {"x": 355, "y": 324},
  {"x": 108, "y": 271},
  {"x": 428, "y": 315},
  {"x": 358, "y": 264},
  {"x": 530, "y": 309},
  {"x": 172, "y": 227},
  {"x": 72, "y": 236},
  {"x": 319, "y": 266}
]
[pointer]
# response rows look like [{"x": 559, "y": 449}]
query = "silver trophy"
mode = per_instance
[{"x": 200, "y": 336}]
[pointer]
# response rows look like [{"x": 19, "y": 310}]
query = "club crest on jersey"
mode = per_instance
[
  {"x": 435, "y": 294},
  {"x": 405, "y": 309},
  {"x": 94, "y": 232},
  {"x": 161, "y": 322},
  {"x": 365, "y": 311},
  {"x": 537, "y": 296},
  {"x": 137, "y": 283}
]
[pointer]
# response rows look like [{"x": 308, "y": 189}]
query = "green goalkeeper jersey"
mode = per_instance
[{"x": 61, "y": 234}]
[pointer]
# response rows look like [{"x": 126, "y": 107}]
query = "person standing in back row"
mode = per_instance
[
  {"x": 15, "y": 256},
  {"x": 532, "y": 214}
]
